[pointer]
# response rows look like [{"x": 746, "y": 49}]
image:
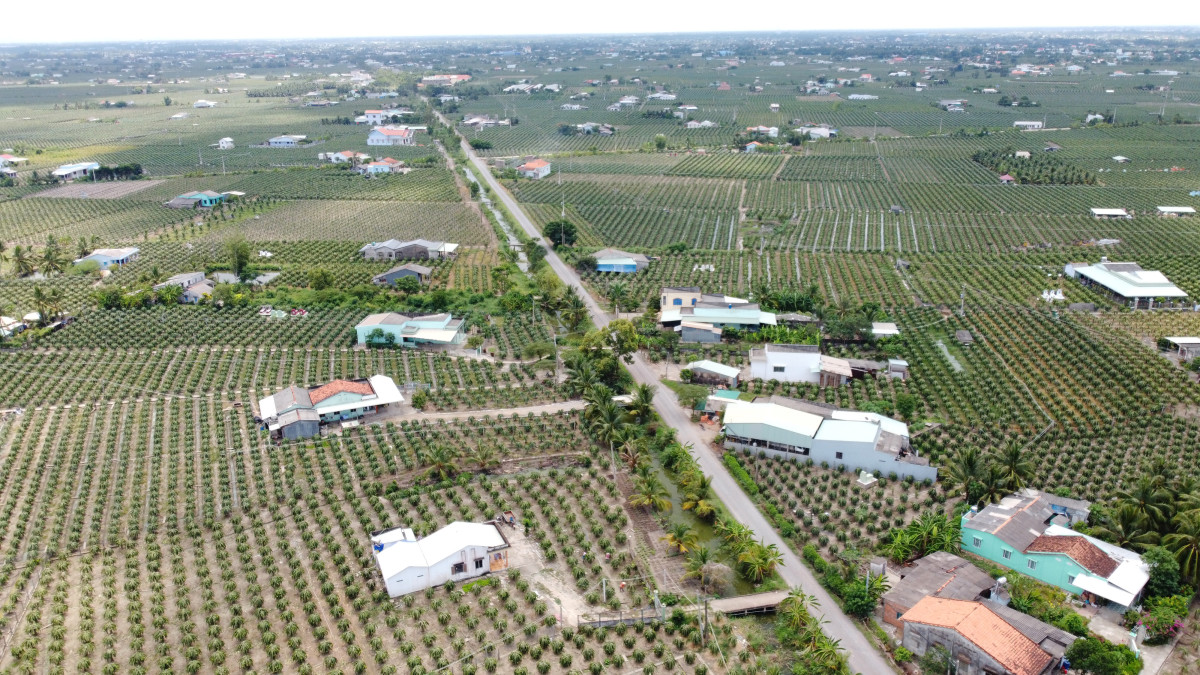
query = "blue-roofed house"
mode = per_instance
[
  {"x": 411, "y": 331},
  {"x": 613, "y": 260}
]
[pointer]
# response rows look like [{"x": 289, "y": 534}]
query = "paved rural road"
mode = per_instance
[{"x": 864, "y": 658}]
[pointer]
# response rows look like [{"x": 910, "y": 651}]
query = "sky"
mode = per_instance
[{"x": 139, "y": 20}]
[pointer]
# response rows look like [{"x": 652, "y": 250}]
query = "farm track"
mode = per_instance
[{"x": 861, "y": 653}]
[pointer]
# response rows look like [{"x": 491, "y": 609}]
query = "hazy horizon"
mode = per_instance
[{"x": 143, "y": 21}]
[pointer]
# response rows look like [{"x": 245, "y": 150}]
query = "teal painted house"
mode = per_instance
[
  {"x": 1031, "y": 533},
  {"x": 410, "y": 331},
  {"x": 205, "y": 199}
]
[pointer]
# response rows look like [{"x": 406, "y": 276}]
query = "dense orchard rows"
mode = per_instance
[
  {"x": 821, "y": 505},
  {"x": 197, "y": 558},
  {"x": 28, "y": 221},
  {"x": 76, "y": 376},
  {"x": 366, "y": 221}
]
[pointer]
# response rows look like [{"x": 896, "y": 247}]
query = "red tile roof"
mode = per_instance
[
  {"x": 984, "y": 629},
  {"x": 1079, "y": 549},
  {"x": 337, "y": 387},
  {"x": 534, "y": 164}
]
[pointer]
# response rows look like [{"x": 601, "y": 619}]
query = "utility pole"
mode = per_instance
[{"x": 962, "y": 301}]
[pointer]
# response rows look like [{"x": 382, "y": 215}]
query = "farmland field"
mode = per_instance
[{"x": 147, "y": 522}]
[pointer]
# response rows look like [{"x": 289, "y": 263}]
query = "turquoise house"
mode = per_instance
[
  {"x": 410, "y": 331},
  {"x": 1031, "y": 533},
  {"x": 205, "y": 199}
]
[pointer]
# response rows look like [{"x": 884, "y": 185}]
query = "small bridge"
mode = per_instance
[{"x": 755, "y": 603}]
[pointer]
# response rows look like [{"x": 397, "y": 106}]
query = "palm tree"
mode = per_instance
[
  {"x": 736, "y": 535},
  {"x": 682, "y": 537},
  {"x": 697, "y": 565},
  {"x": 649, "y": 493},
  {"x": 696, "y": 490},
  {"x": 485, "y": 458},
  {"x": 596, "y": 395},
  {"x": 1126, "y": 527},
  {"x": 54, "y": 300},
  {"x": 574, "y": 310},
  {"x": 52, "y": 257},
  {"x": 40, "y": 303},
  {"x": 935, "y": 532},
  {"x": 633, "y": 449},
  {"x": 617, "y": 293},
  {"x": 607, "y": 422},
  {"x": 964, "y": 469},
  {"x": 1185, "y": 544},
  {"x": 443, "y": 465},
  {"x": 1016, "y": 469},
  {"x": 1149, "y": 500},
  {"x": 994, "y": 484},
  {"x": 794, "y": 609},
  {"x": 169, "y": 294},
  {"x": 760, "y": 560},
  {"x": 581, "y": 375},
  {"x": 22, "y": 262},
  {"x": 642, "y": 406}
]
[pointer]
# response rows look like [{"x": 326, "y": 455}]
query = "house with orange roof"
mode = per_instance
[
  {"x": 985, "y": 637},
  {"x": 535, "y": 169},
  {"x": 391, "y": 135},
  {"x": 296, "y": 412},
  {"x": 1031, "y": 532}
]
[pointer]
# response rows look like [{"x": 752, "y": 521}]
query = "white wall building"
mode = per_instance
[
  {"x": 225, "y": 144},
  {"x": 457, "y": 552}
]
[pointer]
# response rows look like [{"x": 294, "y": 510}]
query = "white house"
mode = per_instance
[
  {"x": 862, "y": 97},
  {"x": 391, "y": 135},
  {"x": 225, "y": 143},
  {"x": 572, "y": 106},
  {"x": 1028, "y": 124},
  {"x": 204, "y": 104},
  {"x": 457, "y": 552},
  {"x": 107, "y": 257},
  {"x": 798, "y": 363},
  {"x": 1127, "y": 281},
  {"x": 347, "y": 156},
  {"x": 535, "y": 169},
  {"x": 1176, "y": 211},
  {"x": 771, "y": 132},
  {"x": 795, "y": 429},
  {"x": 286, "y": 141},
  {"x": 6, "y": 159},
  {"x": 706, "y": 124},
  {"x": 661, "y": 96},
  {"x": 68, "y": 172}
]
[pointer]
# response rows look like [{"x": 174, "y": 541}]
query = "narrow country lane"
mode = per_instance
[{"x": 863, "y": 656}]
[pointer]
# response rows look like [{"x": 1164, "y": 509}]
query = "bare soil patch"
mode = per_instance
[{"x": 103, "y": 190}]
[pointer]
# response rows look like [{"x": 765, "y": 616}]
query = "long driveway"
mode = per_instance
[{"x": 863, "y": 656}]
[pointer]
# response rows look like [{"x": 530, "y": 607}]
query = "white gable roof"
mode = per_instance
[
  {"x": 401, "y": 555},
  {"x": 714, "y": 367}
]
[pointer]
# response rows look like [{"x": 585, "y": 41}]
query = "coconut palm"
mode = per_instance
[
  {"x": 633, "y": 448},
  {"x": 41, "y": 303},
  {"x": 595, "y": 395},
  {"x": 1126, "y": 527},
  {"x": 994, "y": 484},
  {"x": 607, "y": 422},
  {"x": 581, "y": 375},
  {"x": 642, "y": 406},
  {"x": 794, "y": 609},
  {"x": 486, "y": 458},
  {"x": 1015, "y": 467},
  {"x": 22, "y": 260},
  {"x": 682, "y": 537},
  {"x": 736, "y": 535},
  {"x": 650, "y": 493},
  {"x": 53, "y": 259},
  {"x": 964, "y": 469},
  {"x": 169, "y": 294},
  {"x": 617, "y": 293},
  {"x": 1185, "y": 544},
  {"x": 697, "y": 564},
  {"x": 574, "y": 310},
  {"x": 759, "y": 561},
  {"x": 1149, "y": 500},
  {"x": 443, "y": 465}
]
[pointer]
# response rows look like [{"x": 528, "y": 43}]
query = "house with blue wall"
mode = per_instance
[
  {"x": 205, "y": 199},
  {"x": 295, "y": 412},
  {"x": 410, "y": 331},
  {"x": 613, "y": 260},
  {"x": 1030, "y": 532}
]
